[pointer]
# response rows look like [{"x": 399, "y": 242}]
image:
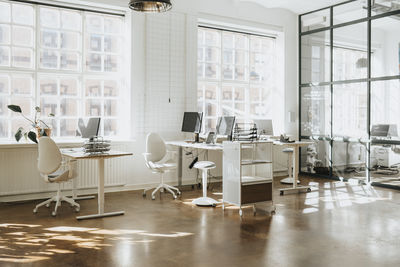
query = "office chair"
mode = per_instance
[
  {"x": 159, "y": 160},
  {"x": 53, "y": 170}
]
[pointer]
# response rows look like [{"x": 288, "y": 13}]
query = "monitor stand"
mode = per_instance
[{"x": 197, "y": 138}]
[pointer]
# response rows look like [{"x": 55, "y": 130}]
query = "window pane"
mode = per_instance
[
  {"x": 49, "y": 17},
  {"x": 69, "y": 61},
  {"x": 228, "y": 72},
  {"x": 26, "y": 106},
  {"x": 17, "y": 123},
  {"x": 4, "y": 34},
  {"x": 69, "y": 107},
  {"x": 4, "y": 85},
  {"x": 71, "y": 20},
  {"x": 23, "y": 14},
  {"x": 93, "y": 107},
  {"x": 315, "y": 57},
  {"x": 350, "y": 11},
  {"x": 22, "y": 36},
  {"x": 22, "y": 57},
  {"x": 110, "y": 127},
  {"x": 212, "y": 38},
  {"x": 49, "y": 59},
  {"x": 3, "y": 126},
  {"x": 5, "y": 12},
  {"x": 110, "y": 88},
  {"x": 68, "y": 127},
  {"x": 95, "y": 43},
  {"x": 211, "y": 109},
  {"x": 110, "y": 63},
  {"x": 94, "y": 23},
  {"x": 350, "y": 61},
  {"x": 70, "y": 40},
  {"x": 21, "y": 85},
  {"x": 3, "y": 106},
  {"x": 48, "y": 87},
  {"x": 49, "y": 105},
  {"x": 112, "y": 25},
  {"x": 110, "y": 107},
  {"x": 69, "y": 87},
  {"x": 93, "y": 62},
  {"x": 211, "y": 92},
  {"x": 93, "y": 88},
  {"x": 50, "y": 39},
  {"x": 350, "y": 110},
  {"x": 4, "y": 56},
  {"x": 315, "y": 20},
  {"x": 227, "y": 93}
]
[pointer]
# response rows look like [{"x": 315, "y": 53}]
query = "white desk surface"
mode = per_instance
[
  {"x": 195, "y": 145},
  {"x": 297, "y": 143},
  {"x": 80, "y": 154}
]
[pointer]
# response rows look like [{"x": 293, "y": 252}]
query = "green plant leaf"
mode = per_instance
[
  {"x": 32, "y": 136},
  {"x": 18, "y": 135},
  {"x": 15, "y": 108},
  {"x": 37, "y": 109},
  {"x": 51, "y": 115}
]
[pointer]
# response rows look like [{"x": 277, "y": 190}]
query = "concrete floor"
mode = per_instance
[{"x": 337, "y": 224}]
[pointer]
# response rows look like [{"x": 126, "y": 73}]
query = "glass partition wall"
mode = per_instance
[{"x": 349, "y": 76}]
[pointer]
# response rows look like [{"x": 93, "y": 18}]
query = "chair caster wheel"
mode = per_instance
[
  {"x": 281, "y": 193},
  {"x": 77, "y": 209},
  {"x": 273, "y": 212},
  {"x": 174, "y": 196},
  {"x": 153, "y": 197},
  {"x": 308, "y": 189},
  {"x": 35, "y": 211},
  {"x": 53, "y": 214},
  {"x": 48, "y": 205},
  {"x": 179, "y": 193}
]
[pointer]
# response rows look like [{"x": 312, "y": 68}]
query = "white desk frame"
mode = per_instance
[
  {"x": 182, "y": 144},
  {"x": 80, "y": 155},
  {"x": 295, "y": 145}
]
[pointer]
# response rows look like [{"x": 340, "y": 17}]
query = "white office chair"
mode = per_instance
[
  {"x": 159, "y": 160},
  {"x": 53, "y": 170}
]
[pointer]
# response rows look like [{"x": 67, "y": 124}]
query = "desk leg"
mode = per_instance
[
  {"x": 180, "y": 160},
  {"x": 295, "y": 175},
  {"x": 101, "y": 213}
]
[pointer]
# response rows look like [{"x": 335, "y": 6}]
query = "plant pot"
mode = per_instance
[{"x": 47, "y": 132}]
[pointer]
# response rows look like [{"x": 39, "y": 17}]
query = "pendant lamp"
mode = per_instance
[{"x": 154, "y": 6}]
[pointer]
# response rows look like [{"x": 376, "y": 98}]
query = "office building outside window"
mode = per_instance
[
  {"x": 236, "y": 76},
  {"x": 66, "y": 61}
]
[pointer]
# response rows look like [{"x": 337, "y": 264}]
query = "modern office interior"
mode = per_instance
[{"x": 199, "y": 133}]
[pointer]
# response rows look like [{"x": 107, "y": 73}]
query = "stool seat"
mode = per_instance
[
  {"x": 287, "y": 150},
  {"x": 204, "y": 165}
]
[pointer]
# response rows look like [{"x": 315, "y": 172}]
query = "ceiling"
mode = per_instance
[{"x": 296, "y": 6}]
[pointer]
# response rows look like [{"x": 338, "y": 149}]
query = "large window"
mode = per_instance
[
  {"x": 236, "y": 76},
  {"x": 68, "y": 62}
]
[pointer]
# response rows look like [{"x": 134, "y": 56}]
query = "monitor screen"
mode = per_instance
[
  {"x": 225, "y": 125},
  {"x": 90, "y": 129},
  {"x": 192, "y": 122},
  {"x": 264, "y": 127}
]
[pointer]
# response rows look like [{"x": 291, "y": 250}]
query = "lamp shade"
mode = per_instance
[{"x": 156, "y": 6}]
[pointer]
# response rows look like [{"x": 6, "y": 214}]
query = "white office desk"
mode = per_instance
[
  {"x": 182, "y": 144},
  {"x": 295, "y": 146},
  {"x": 78, "y": 155}
]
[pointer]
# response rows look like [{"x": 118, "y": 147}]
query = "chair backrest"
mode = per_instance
[
  {"x": 49, "y": 156},
  {"x": 155, "y": 145}
]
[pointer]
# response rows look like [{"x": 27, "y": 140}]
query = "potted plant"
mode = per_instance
[{"x": 41, "y": 127}]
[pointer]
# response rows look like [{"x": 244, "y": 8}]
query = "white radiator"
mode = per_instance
[{"x": 19, "y": 174}]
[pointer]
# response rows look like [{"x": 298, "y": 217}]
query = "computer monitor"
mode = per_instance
[
  {"x": 264, "y": 127},
  {"x": 192, "y": 122},
  {"x": 225, "y": 125},
  {"x": 90, "y": 129}
]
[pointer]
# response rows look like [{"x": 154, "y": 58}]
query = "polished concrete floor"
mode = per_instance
[{"x": 337, "y": 224}]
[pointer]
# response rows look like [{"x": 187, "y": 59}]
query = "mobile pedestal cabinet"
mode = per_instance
[{"x": 247, "y": 174}]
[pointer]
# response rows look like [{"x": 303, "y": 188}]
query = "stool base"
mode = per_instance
[{"x": 205, "y": 202}]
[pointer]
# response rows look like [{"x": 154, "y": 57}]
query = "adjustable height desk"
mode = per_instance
[{"x": 182, "y": 144}]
